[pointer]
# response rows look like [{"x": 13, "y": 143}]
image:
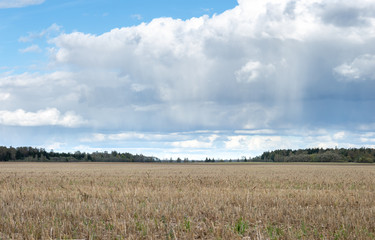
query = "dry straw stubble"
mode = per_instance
[{"x": 186, "y": 201}]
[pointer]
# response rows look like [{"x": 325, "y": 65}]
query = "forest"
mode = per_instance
[
  {"x": 31, "y": 154},
  {"x": 358, "y": 155}
]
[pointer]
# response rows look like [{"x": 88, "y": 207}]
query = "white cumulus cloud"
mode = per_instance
[
  {"x": 360, "y": 69},
  {"x": 253, "y": 71},
  {"x": 46, "y": 117}
]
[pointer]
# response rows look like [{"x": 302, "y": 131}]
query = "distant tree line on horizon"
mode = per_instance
[
  {"x": 358, "y": 155},
  {"x": 30, "y": 154}
]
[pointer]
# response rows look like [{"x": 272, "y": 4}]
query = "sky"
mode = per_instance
[{"x": 196, "y": 79}]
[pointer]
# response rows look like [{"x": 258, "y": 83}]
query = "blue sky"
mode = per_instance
[{"x": 193, "y": 79}]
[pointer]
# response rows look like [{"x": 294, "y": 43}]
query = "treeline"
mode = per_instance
[
  {"x": 30, "y": 154},
  {"x": 358, "y": 155}
]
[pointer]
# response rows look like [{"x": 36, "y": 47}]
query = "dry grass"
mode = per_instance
[{"x": 176, "y": 201}]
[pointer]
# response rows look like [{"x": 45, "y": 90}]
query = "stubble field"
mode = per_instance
[{"x": 186, "y": 201}]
